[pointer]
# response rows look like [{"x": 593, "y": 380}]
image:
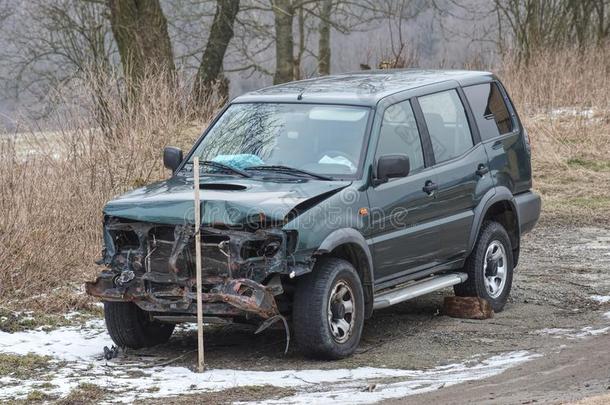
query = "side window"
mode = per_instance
[
  {"x": 399, "y": 134},
  {"x": 447, "y": 124},
  {"x": 489, "y": 110}
]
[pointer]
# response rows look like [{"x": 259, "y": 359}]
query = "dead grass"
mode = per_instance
[
  {"x": 84, "y": 394},
  {"x": 228, "y": 396},
  {"x": 564, "y": 101},
  {"x": 56, "y": 183}
]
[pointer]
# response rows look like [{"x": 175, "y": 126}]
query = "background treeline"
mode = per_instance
[{"x": 219, "y": 45}]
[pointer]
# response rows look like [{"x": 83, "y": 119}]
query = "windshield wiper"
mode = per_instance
[
  {"x": 289, "y": 170},
  {"x": 223, "y": 166}
]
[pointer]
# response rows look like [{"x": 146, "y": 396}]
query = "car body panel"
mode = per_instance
[{"x": 171, "y": 201}]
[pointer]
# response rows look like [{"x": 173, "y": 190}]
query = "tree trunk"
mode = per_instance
[
  {"x": 324, "y": 41},
  {"x": 284, "y": 42},
  {"x": 209, "y": 71},
  {"x": 140, "y": 30},
  {"x": 296, "y": 63}
]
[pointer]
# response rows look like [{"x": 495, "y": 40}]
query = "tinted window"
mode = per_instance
[
  {"x": 489, "y": 110},
  {"x": 447, "y": 124},
  {"x": 399, "y": 134}
]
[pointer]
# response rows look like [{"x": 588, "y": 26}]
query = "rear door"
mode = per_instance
[
  {"x": 509, "y": 155},
  {"x": 460, "y": 168},
  {"x": 403, "y": 236}
]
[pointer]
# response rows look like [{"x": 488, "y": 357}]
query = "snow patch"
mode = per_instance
[
  {"x": 81, "y": 350},
  {"x": 574, "y": 112},
  {"x": 602, "y": 299},
  {"x": 69, "y": 343},
  {"x": 357, "y": 392},
  {"x": 587, "y": 331}
]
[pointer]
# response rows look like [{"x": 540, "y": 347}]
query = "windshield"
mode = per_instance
[{"x": 322, "y": 139}]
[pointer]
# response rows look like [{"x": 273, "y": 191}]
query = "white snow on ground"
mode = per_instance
[
  {"x": 80, "y": 348},
  {"x": 602, "y": 299},
  {"x": 356, "y": 392},
  {"x": 607, "y": 315},
  {"x": 67, "y": 343},
  {"x": 573, "y": 333},
  {"x": 575, "y": 112}
]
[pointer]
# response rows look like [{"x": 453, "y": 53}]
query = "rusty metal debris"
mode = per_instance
[{"x": 152, "y": 265}]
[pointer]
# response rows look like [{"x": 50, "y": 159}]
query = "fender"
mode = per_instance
[
  {"x": 352, "y": 236},
  {"x": 496, "y": 194}
]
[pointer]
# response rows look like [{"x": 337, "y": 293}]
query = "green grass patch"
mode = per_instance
[
  {"x": 84, "y": 393},
  {"x": 20, "y": 366},
  {"x": 594, "y": 165},
  {"x": 37, "y": 396},
  {"x": 13, "y": 321},
  {"x": 590, "y": 202}
]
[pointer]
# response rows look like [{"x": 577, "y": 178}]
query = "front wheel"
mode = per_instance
[
  {"x": 489, "y": 267},
  {"x": 130, "y": 326},
  {"x": 328, "y": 311}
]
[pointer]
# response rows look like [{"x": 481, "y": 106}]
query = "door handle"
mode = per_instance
[
  {"x": 430, "y": 187},
  {"x": 482, "y": 170}
]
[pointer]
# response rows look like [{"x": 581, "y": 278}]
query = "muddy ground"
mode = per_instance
[
  {"x": 561, "y": 269},
  {"x": 557, "y": 321}
]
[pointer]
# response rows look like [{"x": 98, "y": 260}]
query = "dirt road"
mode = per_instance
[{"x": 576, "y": 371}]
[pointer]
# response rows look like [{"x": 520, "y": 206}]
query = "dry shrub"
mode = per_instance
[
  {"x": 564, "y": 101},
  {"x": 55, "y": 183}
]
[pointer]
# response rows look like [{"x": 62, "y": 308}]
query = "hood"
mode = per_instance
[{"x": 226, "y": 201}]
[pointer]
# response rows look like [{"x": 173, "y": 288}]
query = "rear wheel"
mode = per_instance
[
  {"x": 328, "y": 311},
  {"x": 489, "y": 267},
  {"x": 130, "y": 326}
]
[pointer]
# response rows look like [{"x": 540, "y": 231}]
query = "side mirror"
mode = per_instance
[
  {"x": 391, "y": 166},
  {"x": 172, "y": 157}
]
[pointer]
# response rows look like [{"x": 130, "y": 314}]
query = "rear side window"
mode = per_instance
[
  {"x": 447, "y": 124},
  {"x": 399, "y": 134},
  {"x": 489, "y": 109}
]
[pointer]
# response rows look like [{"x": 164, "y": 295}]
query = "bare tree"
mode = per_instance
[
  {"x": 140, "y": 31},
  {"x": 212, "y": 61},
  {"x": 324, "y": 40},
  {"x": 283, "y": 11},
  {"x": 532, "y": 25},
  {"x": 54, "y": 41}
]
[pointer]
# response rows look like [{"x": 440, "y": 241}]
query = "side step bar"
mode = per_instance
[{"x": 400, "y": 294}]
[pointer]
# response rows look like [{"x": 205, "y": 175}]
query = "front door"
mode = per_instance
[{"x": 403, "y": 235}]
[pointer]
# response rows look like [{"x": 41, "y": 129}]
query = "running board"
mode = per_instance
[{"x": 413, "y": 290}]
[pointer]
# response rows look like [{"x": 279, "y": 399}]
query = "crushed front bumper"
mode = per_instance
[{"x": 152, "y": 266}]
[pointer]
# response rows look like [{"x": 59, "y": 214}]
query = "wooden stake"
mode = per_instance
[{"x": 200, "y": 363}]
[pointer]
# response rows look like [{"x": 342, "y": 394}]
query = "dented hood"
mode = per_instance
[{"x": 224, "y": 200}]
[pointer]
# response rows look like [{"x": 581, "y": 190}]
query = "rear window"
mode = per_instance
[
  {"x": 489, "y": 109},
  {"x": 447, "y": 124}
]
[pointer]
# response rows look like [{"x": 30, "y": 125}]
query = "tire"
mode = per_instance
[
  {"x": 323, "y": 330},
  {"x": 130, "y": 326},
  {"x": 492, "y": 241}
]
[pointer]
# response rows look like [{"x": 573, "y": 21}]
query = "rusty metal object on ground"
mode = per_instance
[{"x": 467, "y": 307}]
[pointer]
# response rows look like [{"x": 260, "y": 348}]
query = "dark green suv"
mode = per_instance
[{"x": 323, "y": 200}]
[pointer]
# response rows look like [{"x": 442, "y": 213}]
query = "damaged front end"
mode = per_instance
[{"x": 153, "y": 266}]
